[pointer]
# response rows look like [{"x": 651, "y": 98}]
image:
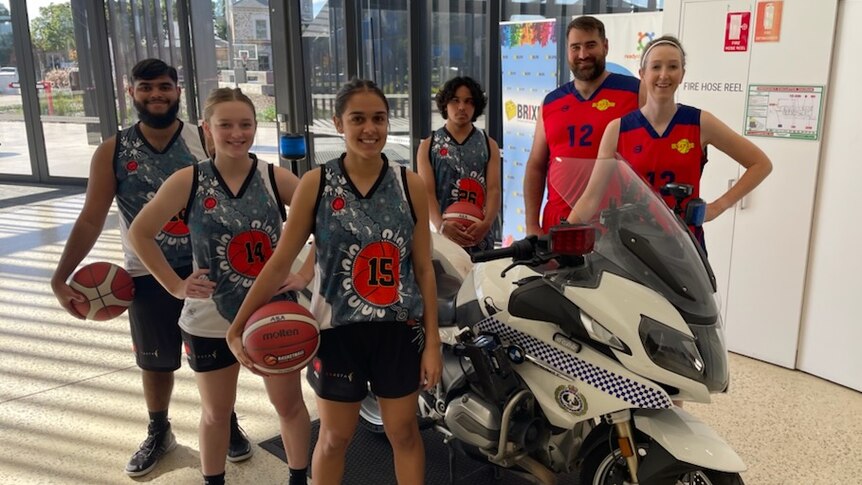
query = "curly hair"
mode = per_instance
[{"x": 447, "y": 92}]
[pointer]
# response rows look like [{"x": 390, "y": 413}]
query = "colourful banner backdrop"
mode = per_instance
[
  {"x": 628, "y": 35},
  {"x": 529, "y": 64}
]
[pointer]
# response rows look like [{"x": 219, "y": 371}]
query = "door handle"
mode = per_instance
[{"x": 730, "y": 184}]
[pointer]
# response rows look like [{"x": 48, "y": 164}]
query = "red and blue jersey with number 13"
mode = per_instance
[{"x": 676, "y": 156}]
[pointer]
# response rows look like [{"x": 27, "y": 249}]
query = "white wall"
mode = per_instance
[
  {"x": 760, "y": 251},
  {"x": 831, "y": 327}
]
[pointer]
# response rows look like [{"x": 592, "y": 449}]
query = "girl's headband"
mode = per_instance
[{"x": 660, "y": 42}]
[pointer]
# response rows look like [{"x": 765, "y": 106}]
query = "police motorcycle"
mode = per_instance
[{"x": 564, "y": 353}]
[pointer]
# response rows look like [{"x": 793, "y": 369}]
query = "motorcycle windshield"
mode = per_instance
[{"x": 637, "y": 232}]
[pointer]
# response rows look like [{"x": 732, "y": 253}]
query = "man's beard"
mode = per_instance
[
  {"x": 154, "y": 120},
  {"x": 590, "y": 74}
]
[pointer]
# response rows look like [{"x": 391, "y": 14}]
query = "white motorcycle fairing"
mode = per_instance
[{"x": 688, "y": 439}]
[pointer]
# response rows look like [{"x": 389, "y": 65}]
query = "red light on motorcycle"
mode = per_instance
[{"x": 572, "y": 239}]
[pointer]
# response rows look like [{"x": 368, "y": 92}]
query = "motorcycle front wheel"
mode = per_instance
[
  {"x": 371, "y": 419},
  {"x": 369, "y": 414},
  {"x": 603, "y": 466}
]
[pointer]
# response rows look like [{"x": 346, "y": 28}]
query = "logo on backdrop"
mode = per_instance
[
  {"x": 525, "y": 112},
  {"x": 644, "y": 38}
]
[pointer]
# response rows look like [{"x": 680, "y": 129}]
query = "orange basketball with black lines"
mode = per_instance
[
  {"x": 281, "y": 337},
  {"x": 248, "y": 251},
  {"x": 464, "y": 213},
  {"x": 109, "y": 290},
  {"x": 376, "y": 273}
]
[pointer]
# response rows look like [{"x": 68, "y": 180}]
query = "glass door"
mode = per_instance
[
  {"x": 386, "y": 54},
  {"x": 14, "y": 143},
  {"x": 325, "y": 57},
  {"x": 64, "y": 61}
]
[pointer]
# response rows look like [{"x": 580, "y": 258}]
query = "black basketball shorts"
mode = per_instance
[
  {"x": 207, "y": 354},
  {"x": 153, "y": 317},
  {"x": 386, "y": 355}
]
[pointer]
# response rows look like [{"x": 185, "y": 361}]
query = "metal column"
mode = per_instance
[
  {"x": 419, "y": 14},
  {"x": 291, "y": 96}
]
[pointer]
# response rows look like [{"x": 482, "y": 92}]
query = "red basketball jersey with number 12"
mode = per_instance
[{"x": 573, "y": 128}]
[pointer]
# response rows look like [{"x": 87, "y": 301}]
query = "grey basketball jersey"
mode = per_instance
[
  {"x": 460, "y": 172},
  {"x": 140, "y": 170},
  {"x": 364, "y": 249},
  {"x": 232, "y": 235}
]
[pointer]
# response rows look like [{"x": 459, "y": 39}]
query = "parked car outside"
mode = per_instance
[{"x": 9, "y": 75}]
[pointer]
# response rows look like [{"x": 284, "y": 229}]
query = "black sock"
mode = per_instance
[
  {"x": 214, "y": 479},
  {"x": 298, "y": 477},
  {"x": 159, "y": 420}
]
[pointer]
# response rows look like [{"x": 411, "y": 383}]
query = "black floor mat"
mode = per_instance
[{"x": 369, "y": 461}]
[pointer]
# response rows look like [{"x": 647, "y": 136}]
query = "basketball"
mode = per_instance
[
  {"x": 464, "y": 213},
  {"x": 109, "y": 290},
  {"x": 281, "y": 337}
]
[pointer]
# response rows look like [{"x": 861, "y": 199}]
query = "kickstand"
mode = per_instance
[{"x": 451, "y": 463}]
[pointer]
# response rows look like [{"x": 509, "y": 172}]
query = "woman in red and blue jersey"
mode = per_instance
[{"x": 665, "y": 142}]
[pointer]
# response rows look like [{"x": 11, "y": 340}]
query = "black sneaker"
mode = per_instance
[
  {"x": 152, "y": 449},
  {"x": 240, "y": 448}
]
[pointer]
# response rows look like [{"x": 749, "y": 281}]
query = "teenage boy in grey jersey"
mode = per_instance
[{"x": 130, "y": 167}]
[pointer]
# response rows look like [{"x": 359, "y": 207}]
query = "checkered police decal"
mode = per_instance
[{"x": 620, "y": 387}]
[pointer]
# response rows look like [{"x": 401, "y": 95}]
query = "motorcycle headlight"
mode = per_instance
[
  {"x": 671, "y": 349},
  {"x": 602, "y": 335}
]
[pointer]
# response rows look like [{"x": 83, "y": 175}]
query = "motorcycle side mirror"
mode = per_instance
[
  {"x": 695, "y": 212},
  {"x": 678, "y": 191},
  {"x": 572, "y": 239}
]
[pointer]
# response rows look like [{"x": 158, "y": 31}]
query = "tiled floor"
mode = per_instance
[{"x": 71, "y": 410}]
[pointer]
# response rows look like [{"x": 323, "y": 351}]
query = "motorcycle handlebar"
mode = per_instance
[{"x": 523, "y": 249}]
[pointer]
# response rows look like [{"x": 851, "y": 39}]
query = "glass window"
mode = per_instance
[
  {"x": 65, "y": 83},
  {"x": 133, "y": 39},
  {"x": 14, "y": 146},
  {"x": 386, "y": 53},
  {"x": 565, "y": 9},
  {"x": 243, "y": 53},
  {"x": 261, "y": 29},
  {"x": 457, "y": 48},
  {"x": 324, "y": 49}
]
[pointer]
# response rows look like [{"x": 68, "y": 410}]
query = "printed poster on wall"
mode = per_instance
[
  {"x": 784, "y": 111},
  {"x": 529, "y": 65},
  {"x": 628, "y": 34}
]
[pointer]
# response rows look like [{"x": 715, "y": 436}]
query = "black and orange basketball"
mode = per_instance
[
  {"x": 376, "y": 273},
  {"x": 248, "y": 251},
  {"x": 109, "y": 290},
  {"x": 281, "y": 337}
]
